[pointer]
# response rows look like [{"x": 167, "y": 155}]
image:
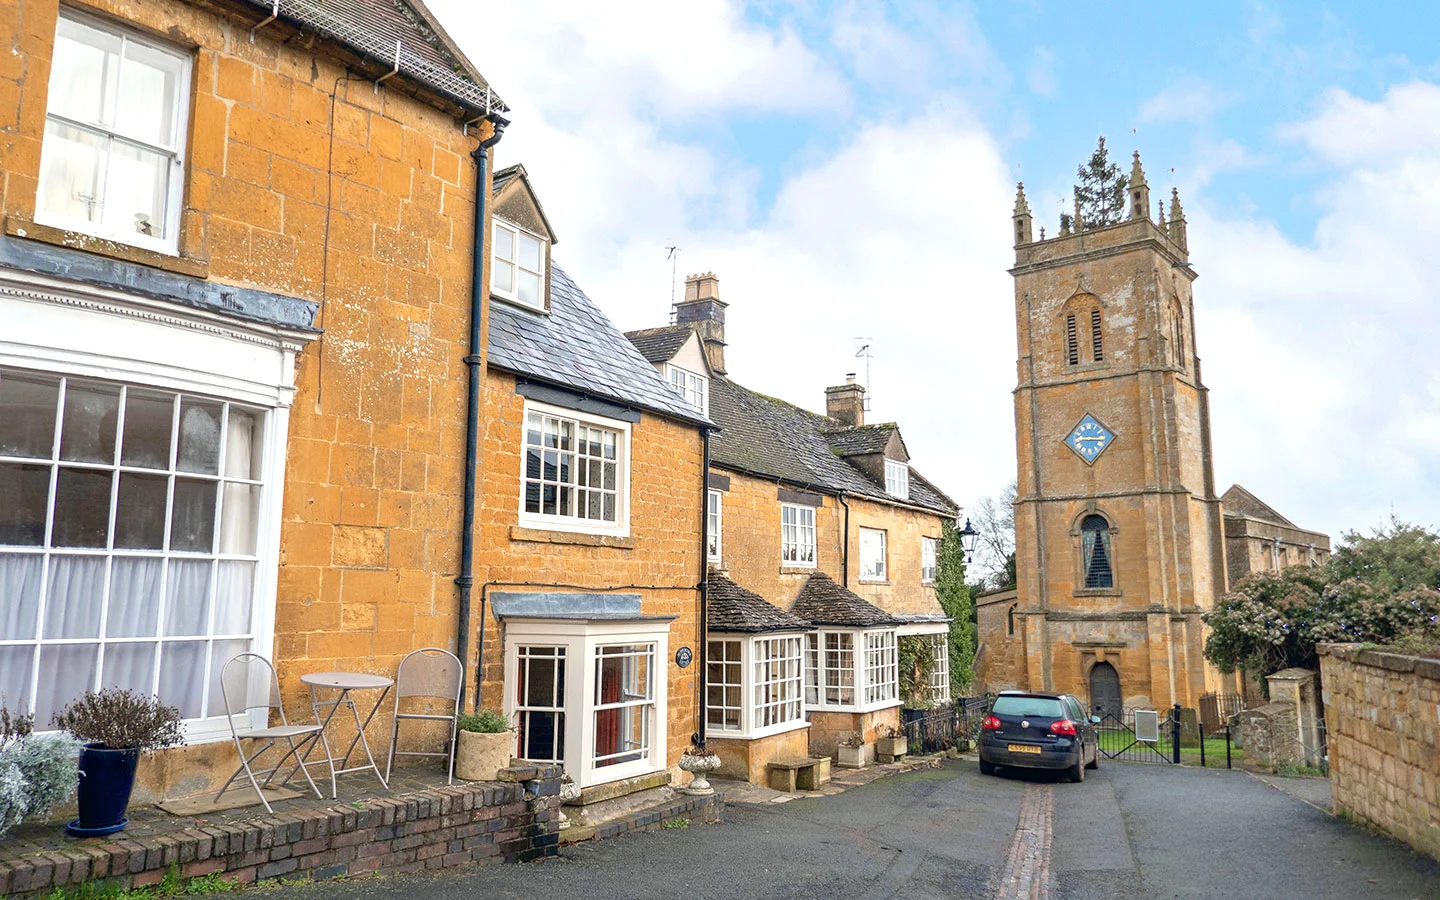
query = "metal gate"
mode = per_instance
[{"x": 1146, "y": 736}]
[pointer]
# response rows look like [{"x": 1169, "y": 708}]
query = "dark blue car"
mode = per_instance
[{"x": 1033, "y": 730}]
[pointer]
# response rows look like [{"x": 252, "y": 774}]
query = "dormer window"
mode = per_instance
[
  {"x": 897, "y": 479},
  {"x": 692, "y": 388},
  {"x": 517, "y": 268}
]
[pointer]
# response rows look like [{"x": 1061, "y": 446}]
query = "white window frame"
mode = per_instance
[
  {"x": 897, "y": 479},
  {"x": 798, "y": 543},
  {"x": 715, "y": 525},
  {"x": 559, "y": 656},
  {"x": 858, "y": 675},
  {"x": 169, "y": 243},
  {"x": 769, "y": 683},
  {"x": 692, "y": 387},
  {"x": 582, "y": 641},
  {"x": 874, "y": 568},
  {"x": 929, "y": 560},
  {"x": 75, "y": 330},
  {"x": 940, "y": 672},
  {"x": 513, "y": 296},
  {"x": 621, "y": 526}
]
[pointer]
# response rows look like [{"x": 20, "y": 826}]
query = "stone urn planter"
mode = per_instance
[
  {"x": 485, "y": 741},
  {"x": 699, "y": 763},
  {"x": 856, "y": 756}
]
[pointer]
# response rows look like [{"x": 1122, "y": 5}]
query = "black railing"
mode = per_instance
[{"x": 940, "y": 728}]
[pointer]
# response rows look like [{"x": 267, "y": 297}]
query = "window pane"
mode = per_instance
[
  {"x": 140, "y": 512},
  {"x": 529, "y": 289},
  {"x": 27, "y": 415},
  {"x": 15, "y": 670},
  {"x": 182, "y": 679},
  {"x": 73, "y": 164},
  {"x": 26, "y": 490},
  {"x": 187, "y": 597},
  {"x": 238, "y": 518},
  {"x": 82, "y": 73},
  {"x": 82, "y": 508},
  {"x": 502, "y": 277},
  {"x": 134, "y": 598},
  {"x": 148, "y": 420},
  {"x": 91, "y": 413},
  {"x": 504, "y": 243},
  {"x": 529, "y": 253},
  {"x": 192, "y": 520},
  {"x": 199, "y": 437},
  {"x": 77, "y": 588},
  {"x": 243, "y": 448},
  {"x": 66, "y": 671},
  {"x": 234, "y": 589},
  {"x": 149, "y": 88},
  {"x": 135, "y": 186},
  {"x": 129, "y": 666},
  {"x": 19, "y": 598},
  {"x": 222, "y": 652}
]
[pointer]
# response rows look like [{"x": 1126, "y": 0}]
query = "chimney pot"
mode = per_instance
[{"x": 846, "y": 402}]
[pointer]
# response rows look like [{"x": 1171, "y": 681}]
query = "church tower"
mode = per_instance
[{"x": 1118, "y": 530}]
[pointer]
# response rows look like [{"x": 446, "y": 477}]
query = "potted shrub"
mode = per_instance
[
  {"x": 854, "y": 752},
  {"x": 891, "y": 742},
  {"x": 37, "y": 771},
  {"x": 485, "y": 743},
  {"x": 114, "y": 726}
]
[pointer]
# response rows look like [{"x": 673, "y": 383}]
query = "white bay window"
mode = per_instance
[
  {"x": 851, "y": 669},
  {"x": 754, "y": 685}
]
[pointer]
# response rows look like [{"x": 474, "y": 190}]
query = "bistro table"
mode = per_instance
[{"x": 345, "y": 682}]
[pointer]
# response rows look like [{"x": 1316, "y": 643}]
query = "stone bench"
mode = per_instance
[{"x": 805, "y": 773}]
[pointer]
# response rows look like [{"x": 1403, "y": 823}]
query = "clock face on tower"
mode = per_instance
[{"x": 1089, "y": 439}]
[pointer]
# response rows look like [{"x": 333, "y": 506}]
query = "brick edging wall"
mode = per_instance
[
  {"x": 512, "y": 820},
  {"x": 1382, "y": 719},
  {"x": 707, "y": 809}
]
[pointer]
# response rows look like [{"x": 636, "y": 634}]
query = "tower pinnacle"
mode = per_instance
[
  {"x": 1139, "y": 191},
  {"x": 1177, "y": 220},
  {"x": 1023, "y": 220}
]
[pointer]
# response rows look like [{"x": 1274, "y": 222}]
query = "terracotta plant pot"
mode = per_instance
[{"x": 481, "y": 754}]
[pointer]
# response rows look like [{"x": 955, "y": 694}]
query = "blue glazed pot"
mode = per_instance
[{"x": 106, "y": 779}]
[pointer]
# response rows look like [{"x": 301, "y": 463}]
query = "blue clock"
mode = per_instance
[{"x": 1089, "y": 439}]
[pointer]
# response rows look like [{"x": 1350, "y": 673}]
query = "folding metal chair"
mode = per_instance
[
  {"x": 433, "y": 673},
  {"x": 240, "y": 674}
]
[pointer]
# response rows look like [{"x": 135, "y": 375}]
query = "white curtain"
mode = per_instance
[
  {"x": 130, "y": 666},
  {"x": 66, "y": 671},
  {"x": 19, "y": 595},
  {"x": 77, "y": 590},
  {"x": 234, "y": 591},
  {"x": 182, "y": 676},
  {"x": 237, "y": 519},
  {"x": 187, "y": 597},
  {"x": 134, "y": 598},
  {"x": 15, "y": 670},
  {"x": 240, "y": 435}
]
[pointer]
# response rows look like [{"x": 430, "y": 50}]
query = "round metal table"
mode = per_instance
[{"x": 345, "y": 682}]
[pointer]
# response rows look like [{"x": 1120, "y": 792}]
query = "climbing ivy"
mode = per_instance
[{"x": 955, "y": 600}]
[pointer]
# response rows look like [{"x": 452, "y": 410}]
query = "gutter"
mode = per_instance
[
  {"x": 845, "y": 545},
  {"x": 474, "y": 360},
  {"x": 703, "y": 589}
]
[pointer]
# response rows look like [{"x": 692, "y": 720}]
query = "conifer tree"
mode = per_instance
[{"x": 1101, "y": 191}]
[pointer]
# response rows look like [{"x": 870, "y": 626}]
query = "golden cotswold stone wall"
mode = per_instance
[
  {"x": 1382, "y": 722},
  {"x": 373, "y": 220},
  {"x": 663, "y": 548}
]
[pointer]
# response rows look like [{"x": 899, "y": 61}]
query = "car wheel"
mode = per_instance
[
  {"x": 1095, "y": 760},
  {"x": 987, "y": 768},
  {"x": 1076, "y": 773}
]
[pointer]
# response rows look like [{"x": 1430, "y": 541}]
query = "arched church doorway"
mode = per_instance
[{"x": 1104, "y": 690}]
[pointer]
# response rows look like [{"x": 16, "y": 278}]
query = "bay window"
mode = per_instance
[
  {"x": 575, "y": 475},
  {"x": 851, "y": 669},
  {"x": 754, "y": 685},
  {"x": 112, "y": 160},
  {"x": 939, "y": 645},
  {"x": 797, "y": 535}
]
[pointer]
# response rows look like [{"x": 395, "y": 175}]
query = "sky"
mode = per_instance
[{"x": 848, "y": 171}]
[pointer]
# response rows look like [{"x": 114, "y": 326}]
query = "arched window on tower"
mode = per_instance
[
  {"x": 1177, "y": 333},
  {"x": 1010, "y": 617},
  {"x": 1083, "y": 311},
  {"x": 1095, "y": 551}
]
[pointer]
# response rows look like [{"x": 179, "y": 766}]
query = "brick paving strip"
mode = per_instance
[{"x": 1027, "y": 863}]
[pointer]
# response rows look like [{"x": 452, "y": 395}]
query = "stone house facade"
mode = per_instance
[
  {"x": 238, "y": 257},
  {"x": 804, "y": 512}
]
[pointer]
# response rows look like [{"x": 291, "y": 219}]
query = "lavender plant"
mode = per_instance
[{"x": 121, "y": 720}]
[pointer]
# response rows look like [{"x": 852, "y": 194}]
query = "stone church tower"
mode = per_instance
[{"x": 1119, "y": 534}]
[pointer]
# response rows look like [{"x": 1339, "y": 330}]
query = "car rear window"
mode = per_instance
[{"x": 1038, "y": 707}]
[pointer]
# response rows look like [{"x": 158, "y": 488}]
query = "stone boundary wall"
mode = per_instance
[
  {"x": 511, "y": 821},
  {"x": 1382, "y": 717}
]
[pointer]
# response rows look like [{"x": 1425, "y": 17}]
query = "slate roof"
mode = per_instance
[
  {"x": 824, "y": 602},
  {"x": 577, "y": 347},
  {"x": 860, "y": 440},
  {"x": 660, "y": 345},
  {"x": 372, "y": 29},
  {"x": 732, "y": 608},
  {"x": 766, "y": 436}
]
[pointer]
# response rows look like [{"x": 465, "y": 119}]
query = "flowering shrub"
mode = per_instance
[
  {"x": 36, "y": 771},
  {"x": 121, "y": 720},
  {"x": 1379, "y": 588}
]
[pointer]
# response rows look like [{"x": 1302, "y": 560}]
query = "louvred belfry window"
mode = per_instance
[
  {"x": 1096, "y": 346},
  {"x": 1072, "y": 342}
]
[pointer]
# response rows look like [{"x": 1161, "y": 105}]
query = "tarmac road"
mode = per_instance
[{"x": 1128, "y": 831}]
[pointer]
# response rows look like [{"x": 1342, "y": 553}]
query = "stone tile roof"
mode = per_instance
[
  {"x": 577, "y": 347},
  {"x": 859, "y": 440},
  {"x": 824, "y": 602},
  {"x": 504, "y": 176},
  {"x": 732, "y": 608},
  {"x": 1238, "y": 501},
  {"x": 766, "y": 436},
  {"x": 660, "y": 344}
]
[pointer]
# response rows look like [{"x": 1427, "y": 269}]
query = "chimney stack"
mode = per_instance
[
  {"x": 703, "y": 308},
  {"x": 846, "y": 402}
]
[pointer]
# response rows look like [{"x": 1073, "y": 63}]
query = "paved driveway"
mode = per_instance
[{"x": 1128, "y": 831}]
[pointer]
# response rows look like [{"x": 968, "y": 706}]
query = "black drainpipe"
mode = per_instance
[
  {"x": 473, "y": 360},
  {"x": 704, "y": 585},
  {"x": 845, "y": 545}
]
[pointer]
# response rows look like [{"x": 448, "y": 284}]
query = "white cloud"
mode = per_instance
[
  {"x": 1187, "y": 100},
  {"x": 1349, "y": 131}
]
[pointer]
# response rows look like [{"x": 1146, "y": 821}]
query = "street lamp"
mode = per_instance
[{"x": 968, "y": 538}]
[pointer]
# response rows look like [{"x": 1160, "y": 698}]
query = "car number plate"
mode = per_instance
[{"x": 1022, "y": 748}]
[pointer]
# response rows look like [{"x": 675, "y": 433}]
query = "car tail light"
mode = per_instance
[
  {"x": 990, "y": 724},
  {"x": 1063, "y": 726}
]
